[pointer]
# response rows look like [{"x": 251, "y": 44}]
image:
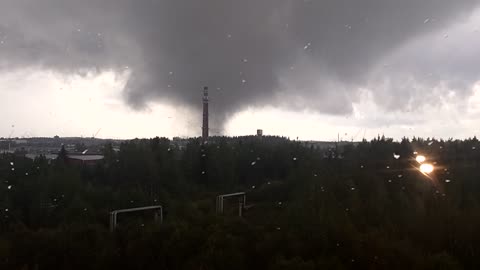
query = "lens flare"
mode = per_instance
[
  {"x": 426, "y": 168},
  {"x": 420, "y": 159}
]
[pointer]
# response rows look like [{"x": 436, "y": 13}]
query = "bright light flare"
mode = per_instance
[
  {"x": 426, "y": 168},
  {"x": 420, "y": 159}
]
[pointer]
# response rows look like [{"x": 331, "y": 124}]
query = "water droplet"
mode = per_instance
[
  {"x": 279, "y": 203},
  {"x": 426, "y": 21},
  {"x": 352, "y": 188},
  {"x": 169, "y": 86},
  {"x": 253, "y": 187},
  {"x": 204, "y": 155},
  {"x": 400, "y": 176},
  {"x": 11, "y": 164},
  {"x": 349, "y": 27},
  {"x": 143, "y": 225},
  {"x": 253, "y": 163},
  {"x": 9, "y": 187},
  {"x": 244, "y": 81},
  {"x": 395, "y": 156},
  {"x": 415, "y": 153},
  {"x": 258, "y": 158},
  {"x": 294, "y": 158},
  {"x": 13, "y": 169},
  {"x": 245, "y": 60},
  {"x": 131, "y": 201},
  {"x": 170, "y": 73},
  {"x": 448, "y": 180},
  {"x": 203, "y": 172},
  {"x": 389, "y": 180},
  {"x": 388, "y": 167},
  {"x": 6, "y": 209},
  {"x": 278, "y": 228},
  {"x": 473, "y": 148},
  {"x": 361, "y": 167},
  {"x": 430, "y": 143},
  {"x": 307, "y": 46},
  {"x": 268, "y": 183},
  {"x": 315, "y": 175},
  {"x": 169, "y": 149},
  {"x": 229, "y": 36},
  {"x": 84, "y": 209}
]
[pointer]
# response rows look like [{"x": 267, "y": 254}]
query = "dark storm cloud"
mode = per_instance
[{"x": 293, "y": 53}]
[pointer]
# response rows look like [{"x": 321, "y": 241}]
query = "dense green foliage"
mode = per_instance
[{"x": 359, "y": 207}]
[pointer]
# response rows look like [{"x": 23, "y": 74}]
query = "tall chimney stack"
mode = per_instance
[{"x": 205, "y": 114}]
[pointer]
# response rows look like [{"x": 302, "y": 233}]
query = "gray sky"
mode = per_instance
[{"x": 307, "y": 68}]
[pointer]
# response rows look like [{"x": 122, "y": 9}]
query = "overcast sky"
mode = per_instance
[{"x": 300, "y": 68}]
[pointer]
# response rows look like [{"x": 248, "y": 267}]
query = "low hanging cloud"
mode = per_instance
[{"x": 296, "y": 54}]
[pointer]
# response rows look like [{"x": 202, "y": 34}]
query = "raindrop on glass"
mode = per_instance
[
  {"x": 253, "y": 163},
  {"x": 400, "y": 176},
  {"x": 307, "y": 46},
  {"x": 203, "y": 172},
  {"x": 430, "y": 143},
  {"x": 395, "y": 156},
  {"x": 426, "y": 21},
  {"x": 294, "y": 158},
  {"x": 9, "y": 187},
  {"x": 245, "y": 60},
  {"x": 6, "y": 209},
  {"x": 11, "y": 164},
  {"x": 244, "y": 81},
  {"x": 352, "y": 188},
  {"x": 448, "y": 180}
]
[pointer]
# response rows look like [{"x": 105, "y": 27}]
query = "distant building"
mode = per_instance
[{"x": 88, "y": 160}]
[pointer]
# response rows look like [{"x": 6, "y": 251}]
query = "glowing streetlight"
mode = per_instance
[
  {"x": 426, "y": 168},
  {"x": 420, "y": 159}
]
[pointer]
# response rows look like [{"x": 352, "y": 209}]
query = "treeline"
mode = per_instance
[{"x": 360, "y": 206}]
